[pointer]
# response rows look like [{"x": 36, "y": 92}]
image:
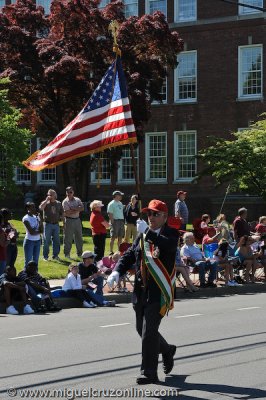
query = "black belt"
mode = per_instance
[{"x": 53, "y": 223}]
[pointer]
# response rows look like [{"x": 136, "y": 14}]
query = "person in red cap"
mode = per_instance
[
  {"x": 181, "y": 209},
  {"x": 153, "y": 253}
]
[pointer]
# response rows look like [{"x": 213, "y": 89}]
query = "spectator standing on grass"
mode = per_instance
[
  {"x": 181, "y": 209},
  {"x": 115, "y": 211},
  {"x": 131, "y": 215},
  {"x": 13, "y": 289},
  {"x": 52, "y": 213},
  {"x": 11, "y": 237},
  {"x": 98, "y": 229},
  {"x": 32, "y": 240},
  {"x": 3, "y": 246},
  {"x": 72, "y": 207},
  {"x": 240, "y": 224}
]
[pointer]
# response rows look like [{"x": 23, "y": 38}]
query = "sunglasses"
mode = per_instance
[
  {"x": 154, "y": 213},
  {"x": 69, "y": 191}
]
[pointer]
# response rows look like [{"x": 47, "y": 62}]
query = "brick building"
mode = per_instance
[{"x": 217, "y": 88}]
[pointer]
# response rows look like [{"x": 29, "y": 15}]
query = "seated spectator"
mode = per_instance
[
  {"x": 11, "y": 236},
  {"x": 122, "y": 285},
  {"x": 182, "y": 268},
  {"x": 262, "y": 253},
  {"x": 211, "y": 236},
  {"x": 205, "y": 220},
  {"x": 246, "y": 256},
  {"x": 193, "y": 254},
  {"x": 13, "y": 289},
  {"x": 37, "y": 285},
  {"x": 221, "y": 256},
  {"x": 74, "y": 287},
  {"x": 89, "y": 272},
  {"x": 261, "y": 227}
]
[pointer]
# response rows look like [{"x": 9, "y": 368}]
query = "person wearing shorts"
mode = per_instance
[{"x": 115, "y": 212}]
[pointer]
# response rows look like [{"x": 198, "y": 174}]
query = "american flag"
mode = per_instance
[{"x": 104, "y": 122}]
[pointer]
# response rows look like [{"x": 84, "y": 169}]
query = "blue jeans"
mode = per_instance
[
  {"x": 51, "y": 232},
  {"x": 96, "y": 298},
  {"x": 202, "y": 265},
  {"x": 99, "y": 282},
  {"x": 2, "y": 266},
  {"x": 31, "y": 251}
]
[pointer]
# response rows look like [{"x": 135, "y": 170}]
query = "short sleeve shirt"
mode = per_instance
[
  {"x": 85, "y": 272},
  {"x": 116, "y": 208},
  {"x": 69, "y": 204},
  {"x": 34, "y": 223},
  {"x": 96, "y": 220},
  {"x": 52, "y": 212}
]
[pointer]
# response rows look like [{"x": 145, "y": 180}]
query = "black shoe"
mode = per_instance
[
  {"x": 211, "y": 284},
  {"x": 168, "y": 359},
  {"x": 143, "y": 379},
  {"x": 203, "y": 285}
]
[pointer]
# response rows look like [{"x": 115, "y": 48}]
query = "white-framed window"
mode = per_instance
[
  {"x": 163, "y": 93},
  {"x": 125, "y": 170},
  {"x": 46, "y": 4},
  {"x": 156, "y": 5},
  {"x": 156, "y": 157},
  {"x": 2, "y": 4},
  {"x": 103, "y": 3},
  {"x": 242, "y": 10},
  {"x": 102, "y": 172},
  {"x": 185, "y": 10},
  {"x": 47, "y": 175},
  {"x": 22, "y": 175},
  {"x": 131, "y": 8},
  {"x": 184, "y": 157},
  {"x": 250, "y": 71},
  {"x": 186, "y": 77}
]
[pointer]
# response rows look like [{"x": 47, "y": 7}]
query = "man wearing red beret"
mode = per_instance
[
  {"x": 153, "y": 253},
  {"x": 181, "y": 209}
]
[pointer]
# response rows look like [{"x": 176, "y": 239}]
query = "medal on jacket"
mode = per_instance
[{"x": 156, "y": 252}]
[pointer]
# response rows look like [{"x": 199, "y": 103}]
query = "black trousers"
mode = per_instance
[
  {"x": 148, "y": 320},
  {"x": 99, "y": 245}
]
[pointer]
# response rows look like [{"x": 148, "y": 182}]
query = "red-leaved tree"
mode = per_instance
[{"x": 55, "y": 62}]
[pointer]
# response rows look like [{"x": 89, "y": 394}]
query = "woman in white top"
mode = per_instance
[
  {"x": 32, "y": 240},
  {"x": 74, "y": 288}
]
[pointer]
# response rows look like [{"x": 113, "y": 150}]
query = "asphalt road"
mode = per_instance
[{"x": 221, "y": 352}]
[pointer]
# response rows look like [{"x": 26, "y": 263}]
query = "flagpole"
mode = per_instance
[{"x": 226, "y": 193}]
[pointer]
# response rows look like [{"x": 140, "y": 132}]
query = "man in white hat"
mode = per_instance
[{"x": 115, "y": 211}]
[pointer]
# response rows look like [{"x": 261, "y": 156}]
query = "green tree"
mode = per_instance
[
  {"x": 14, "y": 141},
  {"x": 241, "y": 161}
]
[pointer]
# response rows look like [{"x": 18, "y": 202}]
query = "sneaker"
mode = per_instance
[
  {"x": 93, "y": 304},
  {"x": 28, "y": 310},
  {"x": 56, "y": 258},
  {"x": 45, "y": 259},
  {"x": 11, "y": 310},
  {"x": 235, "y": 283},
  {"x": 110, "y": 303},
  {"x": 125, "y": 290},
  {"x": 68, "y": 257},
  {"x": 87, "y": 305}
]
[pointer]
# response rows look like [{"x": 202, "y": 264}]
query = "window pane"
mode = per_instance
[
  {"x": 102, "y": 170},
  {"x": 47, "y": 175},
  {"x": 186, "y": 10},
  {"x": 46, "y": 4},
  {"x": 185, "y": 155},
  {"x": 157, "y": 5},
  {"x": 251, "y": 71},
  {"x": 131, "y": 8},
  {"x": 163, "y": 93},
  {"x": 23, "y": 175},
  {"x": 103, "y": 3},
  {"x": 126, "y": 170},
  {"x": 247, "y": 10},
  {"x": 157, "y": 157},
  {"x": 186, "y": 77}
]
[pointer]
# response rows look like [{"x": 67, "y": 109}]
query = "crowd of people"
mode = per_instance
[{"x": 210, "y": 249}]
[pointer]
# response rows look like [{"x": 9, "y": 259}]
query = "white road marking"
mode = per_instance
[
  {"x": 29, "y": 336},
  {"x": 108, "y": 326},
  {"x": 247, "y": 308},
  {"x": 189, "y": 315}
]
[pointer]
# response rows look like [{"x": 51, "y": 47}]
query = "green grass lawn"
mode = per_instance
[{"x": 54, "y": 269}]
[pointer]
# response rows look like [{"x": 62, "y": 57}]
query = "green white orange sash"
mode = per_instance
[{"x": 161, "y": 276}]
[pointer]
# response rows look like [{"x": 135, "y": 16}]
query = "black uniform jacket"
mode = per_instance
[{"x": 166, "y": 241}]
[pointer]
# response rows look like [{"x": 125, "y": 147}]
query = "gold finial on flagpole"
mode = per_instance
[{"x": 113, "y": 28}]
